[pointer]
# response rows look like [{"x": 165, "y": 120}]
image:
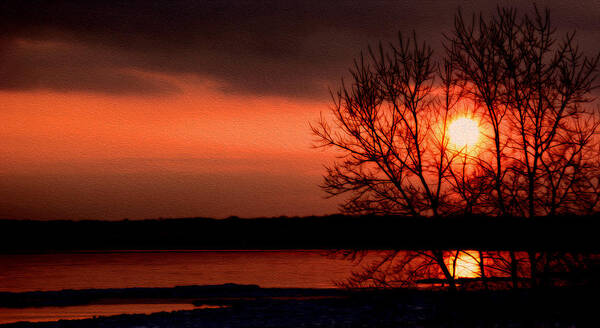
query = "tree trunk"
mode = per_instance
[
  {"x": 514, "y": 274},
  {"x": 532, "y": 269},
  {"x": 482, "y": 270},
  {"x": 439, "y": 257}
]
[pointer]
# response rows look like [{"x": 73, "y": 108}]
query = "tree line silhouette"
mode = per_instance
[{"x": 559, "y": 234}]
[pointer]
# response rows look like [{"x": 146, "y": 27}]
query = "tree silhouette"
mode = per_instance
[
  {"x": 529, "y": 91},
  {"x": 409, "y": 268},
  {"x": 532, "y": 90},
  {"x": 390, "y": 125},
  {"x": 392, "y": 128}
]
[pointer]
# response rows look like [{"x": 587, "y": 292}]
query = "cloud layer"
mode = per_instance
[{"x": 279, "y": 48}]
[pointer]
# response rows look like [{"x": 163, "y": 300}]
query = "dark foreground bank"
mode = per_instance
[
  {"x": 329, "y": 232},
  {"x": 566, "y": 307}
]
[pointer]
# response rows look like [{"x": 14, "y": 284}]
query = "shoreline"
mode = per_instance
[
  {"x": 252, "y": 306},
  {"x": 73, "y": 297}
]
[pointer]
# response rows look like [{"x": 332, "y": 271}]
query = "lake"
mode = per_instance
[
  {"x": 279, "y": 269},
  {"x": 122, "y": 269}
]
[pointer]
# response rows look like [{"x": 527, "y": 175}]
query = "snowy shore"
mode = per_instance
[{"x": 257, "y": 307}]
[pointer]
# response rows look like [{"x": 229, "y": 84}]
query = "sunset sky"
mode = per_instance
[{"x": 146, "y": 109}]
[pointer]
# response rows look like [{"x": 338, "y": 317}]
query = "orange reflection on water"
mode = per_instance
[
  {"x": 54, "y": 313},
  {"x": 126, "y": 269}
]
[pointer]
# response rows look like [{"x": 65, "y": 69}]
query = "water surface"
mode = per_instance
[{"x": 123, "y": 269}]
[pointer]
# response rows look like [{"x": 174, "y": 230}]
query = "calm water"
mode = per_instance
[
  {"x": 82, "y": 270},
  {"x": 289, "y": 268},
  {"x": 45, "y": 272}
]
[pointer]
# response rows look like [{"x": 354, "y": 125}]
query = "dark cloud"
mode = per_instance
[
  {"x": 280, "y": 47},
  {"x": 26, "y": 65}
]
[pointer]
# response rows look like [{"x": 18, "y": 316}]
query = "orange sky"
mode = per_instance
[
  {"x": 145, "y": 109},
  {"x": 60, "y": 148}
]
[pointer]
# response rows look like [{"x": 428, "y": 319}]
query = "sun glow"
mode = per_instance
[
  {"x": 463, "y": 132},
  {"x": 464, "y": 265}
]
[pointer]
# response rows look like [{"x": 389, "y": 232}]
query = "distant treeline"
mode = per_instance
[{"x": 327, "y": 232}]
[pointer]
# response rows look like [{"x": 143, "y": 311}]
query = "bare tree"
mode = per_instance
[
  {"x": 531, "y": 93},
  {"x": 534, "y": 91},
  {"x": 391, "y": 128},
  {"x": 477, "y": 66}
]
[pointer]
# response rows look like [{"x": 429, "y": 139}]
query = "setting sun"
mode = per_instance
[
  {"x": 463, "y": 132},
  {"x": 464, "y": 265}
]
